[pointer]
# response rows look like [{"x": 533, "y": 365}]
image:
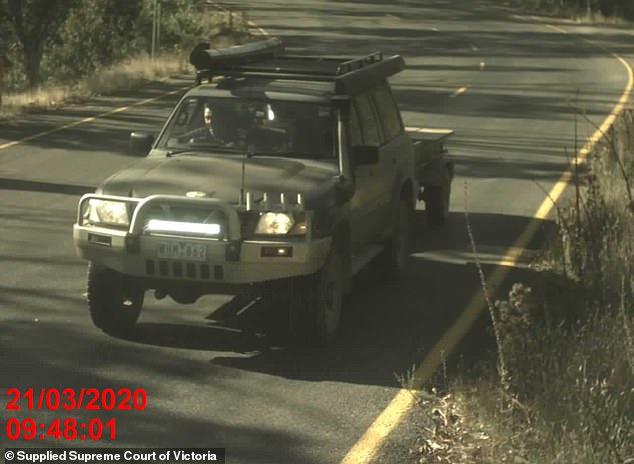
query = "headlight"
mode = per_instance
[
  {"x": 274, "y": 224},
  {"x": 282, "y": 224},
  {"x": 106, "y": 212}
]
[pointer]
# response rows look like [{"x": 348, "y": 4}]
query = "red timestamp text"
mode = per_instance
[
  {"x": 90, "y": 399},
  {"x": 68, "y": 428}
]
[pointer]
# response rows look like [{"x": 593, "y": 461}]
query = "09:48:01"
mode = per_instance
[{"x": 69, "y": 429}]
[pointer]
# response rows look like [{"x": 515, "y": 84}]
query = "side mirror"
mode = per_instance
[
  {"x": 365, "y": 155},
  {"x": 140, "y": 143}
]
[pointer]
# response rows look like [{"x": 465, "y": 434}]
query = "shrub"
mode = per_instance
[
  {"x": 97, "y": 33},
  {"x": 567, "y": 339}
]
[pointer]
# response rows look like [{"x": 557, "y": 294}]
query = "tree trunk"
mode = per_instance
[
  {"x": 1, "y": 78},
  {"x": 33, "y": 21},
  {"x": 32, "y": 60}
]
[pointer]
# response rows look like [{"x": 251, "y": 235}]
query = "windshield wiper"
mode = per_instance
[
  {"x": 290, "y": 155},
  {"x": 178, "y": 152},
  {"x": 197, "y": 149}
]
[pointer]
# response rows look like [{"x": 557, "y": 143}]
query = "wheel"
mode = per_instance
[
  {"x": 114, "y": 303},
  {"x": 437, "y": 204},
  {"x": 276, "y": 299},
  {"x": 317, "y": 301},
  {"x": 393, "y": 259}
]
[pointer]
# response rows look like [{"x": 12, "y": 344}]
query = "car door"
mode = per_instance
[
  {"x": 395, "y": 150},
  {"x": 366, "y": 202}
]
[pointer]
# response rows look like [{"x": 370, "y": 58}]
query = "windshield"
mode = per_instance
[{"x": 255, "y": 127}]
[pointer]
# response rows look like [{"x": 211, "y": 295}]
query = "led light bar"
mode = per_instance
[{"x": 159, "y": 225}]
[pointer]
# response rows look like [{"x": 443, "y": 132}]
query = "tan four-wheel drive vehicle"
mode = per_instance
[{"x": 275, "y": 171}]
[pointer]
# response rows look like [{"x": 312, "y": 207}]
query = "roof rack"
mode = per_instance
[{"x": 265, "y": 59}]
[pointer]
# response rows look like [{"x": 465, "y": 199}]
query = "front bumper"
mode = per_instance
[{"x": 230, "y": 260}]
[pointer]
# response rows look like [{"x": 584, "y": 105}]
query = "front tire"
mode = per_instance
[
  {"x": 317, "y": 301},
  {"x": 114, "y": 302}
]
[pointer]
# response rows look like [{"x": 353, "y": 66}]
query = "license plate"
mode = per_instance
[{"x": 182, "y": 250}]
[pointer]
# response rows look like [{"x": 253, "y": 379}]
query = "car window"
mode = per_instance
[
  {"x": 386, "y": 107},
  {"x": 185, "y": 118},
  {"x": 367, "y": 120},
  {"x": 258, "y": 127}
]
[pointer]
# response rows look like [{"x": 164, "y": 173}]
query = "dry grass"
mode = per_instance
[
  {"x": 124, "y": 75},
  {"x": 590, "y": 17},
  {"x": 579, "y": 15},
  {"x": 567, "y": 342}
]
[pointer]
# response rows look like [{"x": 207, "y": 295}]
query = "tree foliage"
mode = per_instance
[
  {"x": 33, "y": 22},
  {"x": 64, "y": 40},
  {"x": 184, "y": 22},
  {"x": 95, "y": 33}
]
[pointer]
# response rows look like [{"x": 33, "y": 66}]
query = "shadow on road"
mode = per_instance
[
  {"x": 388, "y": 326},
  {"x": 45, "y": 187}
]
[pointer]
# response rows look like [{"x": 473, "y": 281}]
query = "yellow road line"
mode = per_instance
[
  {"x": 89, "y": 119},
  {"x": 368, "y": 445},
  {"x": 459, "y": 91},
  {"x": 555, "y": 28},
  {"x": 262, "y": 31}
]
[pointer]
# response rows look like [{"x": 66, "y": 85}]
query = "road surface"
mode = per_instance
[{"x": 511, "y": 86}]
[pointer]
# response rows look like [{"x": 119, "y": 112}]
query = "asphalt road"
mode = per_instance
[{"x": 510, "y": 86}]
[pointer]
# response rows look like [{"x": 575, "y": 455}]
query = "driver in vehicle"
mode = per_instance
[{"x": 205, "y": 133}]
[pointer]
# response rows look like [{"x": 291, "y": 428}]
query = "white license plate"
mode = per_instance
[{"x": 182, "y": 250}]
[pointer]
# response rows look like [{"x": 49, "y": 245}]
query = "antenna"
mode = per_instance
[{"x": 244, "y": 163}]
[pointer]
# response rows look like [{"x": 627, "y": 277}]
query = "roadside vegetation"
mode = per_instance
[
  {"x": 56, "y": 52},
  {"x": 561, "y": 386},
  {"x": 596, "y": 11}
]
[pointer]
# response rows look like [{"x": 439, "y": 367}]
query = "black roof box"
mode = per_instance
[{"x": 203, "y": 57}]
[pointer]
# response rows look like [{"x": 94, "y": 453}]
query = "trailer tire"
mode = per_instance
[{"x": 437, "y": 204}]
